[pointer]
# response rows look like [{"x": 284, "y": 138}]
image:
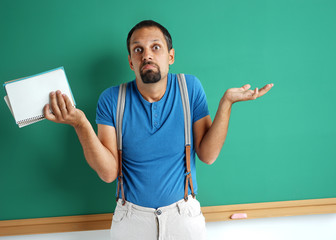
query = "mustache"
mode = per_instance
[{"x": 149, "y": 63}]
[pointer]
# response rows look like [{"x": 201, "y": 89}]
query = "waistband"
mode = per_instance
[{"x": 132, "y": 206}]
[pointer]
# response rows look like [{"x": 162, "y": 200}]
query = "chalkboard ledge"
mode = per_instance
[{"x": 211, "y": 214}]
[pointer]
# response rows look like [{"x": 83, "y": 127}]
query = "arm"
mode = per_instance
[
  {"x": 209, "y": 137},
  {"x": 100, "y": 151}
]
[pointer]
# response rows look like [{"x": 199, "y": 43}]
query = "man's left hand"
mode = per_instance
[{"x": 233, "y": 95}]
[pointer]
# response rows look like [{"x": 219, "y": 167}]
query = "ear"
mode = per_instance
[
  {"x": 171, "y": 56},
  {"x": 130, "y": 62}
]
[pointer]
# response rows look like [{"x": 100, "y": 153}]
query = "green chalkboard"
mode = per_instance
[{"x": 279, "y": 147}]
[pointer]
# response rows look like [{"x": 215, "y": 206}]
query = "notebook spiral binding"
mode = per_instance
[{"x": 31, "y": 120}]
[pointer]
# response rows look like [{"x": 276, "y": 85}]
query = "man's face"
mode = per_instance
[{"x": 149, "y": 56}]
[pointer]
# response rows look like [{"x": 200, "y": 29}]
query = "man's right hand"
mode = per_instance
[{"x": 63, "y": 111}]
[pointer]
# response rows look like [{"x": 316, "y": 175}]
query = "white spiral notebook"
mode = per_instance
[{"x": 26, "y": 97}]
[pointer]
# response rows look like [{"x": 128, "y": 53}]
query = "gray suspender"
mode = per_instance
[
  {"x": 186, "y": 108},
  {"x": 120, "y": 115},
  {"x": 187, "y": 133}
]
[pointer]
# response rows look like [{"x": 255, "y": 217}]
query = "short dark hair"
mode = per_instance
[{"x": 150, "y": 23}]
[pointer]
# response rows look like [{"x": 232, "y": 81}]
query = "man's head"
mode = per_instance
[
  {"x": 150, "y": 51},
  {"x": 147, "y": 24}
]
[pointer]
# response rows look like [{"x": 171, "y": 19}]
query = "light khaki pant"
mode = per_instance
[{"x": 181, "y": 220}]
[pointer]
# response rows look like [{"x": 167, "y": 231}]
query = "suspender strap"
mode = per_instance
[
  {"x": 120, "y": 115},
  {"x": 188, "y": 175},
  {"x": 187, "y": 129},
  {"x": 186, "y": 108}
]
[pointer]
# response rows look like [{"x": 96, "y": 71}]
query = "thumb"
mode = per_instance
[
  {"x": 245, "y": 87},
  {"x": 47, "y": 114}
]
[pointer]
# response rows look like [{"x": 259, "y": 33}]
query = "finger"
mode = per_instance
[
  {"x": 47, "y": 114},
  {"x": 61, "y": 103},
  {"x": 68, "y": 103},
  {"x": 250, "y": 95},
  {"x": 54, "y": 106},
  {"x": 265, "y": 89},
  {"x": 255, "y": 94}
]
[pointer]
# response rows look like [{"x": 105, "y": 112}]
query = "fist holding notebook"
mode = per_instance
[{"x": 62, "y": 110}]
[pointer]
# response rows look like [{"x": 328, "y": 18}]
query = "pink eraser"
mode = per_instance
[{"x": 239, "y": 216}]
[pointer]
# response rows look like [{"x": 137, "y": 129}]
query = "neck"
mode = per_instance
[{"x": 152, "y": 92}]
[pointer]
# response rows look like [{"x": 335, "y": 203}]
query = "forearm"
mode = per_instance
[
  {"x": 96, "y": 154},
  {"x": 214, "y": 139},
  {"x": 103, "y": 158}
]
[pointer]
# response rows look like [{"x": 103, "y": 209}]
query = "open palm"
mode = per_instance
[{"x": 243, "y": 93}]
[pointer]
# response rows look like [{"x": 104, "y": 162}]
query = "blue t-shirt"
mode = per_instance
[{"x": 153, "y": 140}]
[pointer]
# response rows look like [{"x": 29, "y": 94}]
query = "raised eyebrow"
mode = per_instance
[
  {"x": 155, "y": 40},
  {"x": 136, "y": 44}
]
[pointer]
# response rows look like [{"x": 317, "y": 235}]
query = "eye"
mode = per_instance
[
  {"x": 156, "y": 47},
  {"x": 137, "y": 49}
]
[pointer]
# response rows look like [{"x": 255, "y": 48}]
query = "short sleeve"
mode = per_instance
[
  {"x": 199, "y": 104},
  {"x": 104, "y": 113}
]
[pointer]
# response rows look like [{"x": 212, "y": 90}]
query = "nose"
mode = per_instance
[{"x": 147, "y": 54}]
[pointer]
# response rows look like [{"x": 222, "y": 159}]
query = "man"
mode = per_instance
[{"x": 153, "y": 140}]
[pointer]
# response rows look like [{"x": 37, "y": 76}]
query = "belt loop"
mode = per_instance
[{"x": 129, "y": 209}]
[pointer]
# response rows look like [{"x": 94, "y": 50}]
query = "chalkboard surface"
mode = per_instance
[{"x": 279, "y": 147}]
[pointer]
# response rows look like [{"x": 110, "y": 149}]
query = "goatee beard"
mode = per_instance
[{"x": 150, "y": 76}]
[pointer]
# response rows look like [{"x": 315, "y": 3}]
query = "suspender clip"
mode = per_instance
[{"x": 121, "y": 184}]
